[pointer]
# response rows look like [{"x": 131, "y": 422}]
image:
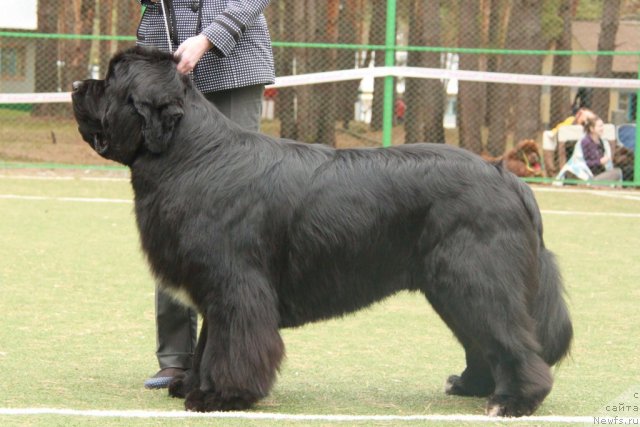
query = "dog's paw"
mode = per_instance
[
  {"x": 459, "y": 386},
  {"x": 510, "y": 406},
  {"x": 194, "y": 402},
  {"x": 182, "y": 384},
  {"x": 214, "y": 402},
  {"x": 208, "y": 401},
  {"x": 452, "y": 386}
]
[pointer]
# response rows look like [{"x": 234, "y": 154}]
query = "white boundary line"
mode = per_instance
[
  {"x": 635, "y": 197},
  {"x": 360, "y": 73},
  {"x": 64, "y": 199},
  {"x": 66, "y": 178},
  {"x": 616, "y": 194},
  {"x": 582, "y": 213},
  {"x": 293, "y": 417},
  {"x": 128, "y": 201}
]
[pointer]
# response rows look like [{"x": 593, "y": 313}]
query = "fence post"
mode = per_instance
[
  {"x": 636, "y": 166},
  {"x": 389, "y": 61}
]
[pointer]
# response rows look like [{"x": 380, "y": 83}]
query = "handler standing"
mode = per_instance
[{"x": 225, "y": 45}]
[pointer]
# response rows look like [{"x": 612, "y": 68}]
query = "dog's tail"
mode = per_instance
[
  {"x": 549, "y": 309},
  {"x": 553, "y": 323}
]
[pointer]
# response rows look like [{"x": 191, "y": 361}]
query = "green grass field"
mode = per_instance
[{"x": 77, "y": 325}]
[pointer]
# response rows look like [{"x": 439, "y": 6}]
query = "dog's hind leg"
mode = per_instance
[
  {"x": 487, "y": 310},
  {"x": 521, "y": 384},
  {"x": 243, "y": 349},
  {"x": 476, "y": 379}
]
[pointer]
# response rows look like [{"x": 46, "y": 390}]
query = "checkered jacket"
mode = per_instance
[{"x": 241, "y": 55}]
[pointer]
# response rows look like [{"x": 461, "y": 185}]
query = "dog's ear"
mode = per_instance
[
  {"x": 159, "y": 123},
  {"x": 149, "y": 80}
]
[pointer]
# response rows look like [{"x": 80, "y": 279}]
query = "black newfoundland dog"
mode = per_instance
[{"x": 261, "y": 233}]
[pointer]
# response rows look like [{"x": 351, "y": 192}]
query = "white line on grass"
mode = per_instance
[
  {"x": 631, "y": 194},
  {"x": 290, "y": 417},
  {"x": 582, "y": 213},
  {"x": 107, "y": 200},
  {"x": 620, "y": 194},
  {"x": 617, "y": 194},
  {"x": 65, "y": 178},
  {"x": 625, "y": 196},
  {"x": 65, "y": 199},
  {"x": 66, "y": 175}
]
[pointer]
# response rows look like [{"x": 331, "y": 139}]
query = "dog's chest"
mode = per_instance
[{"x": 179, "y": 294}]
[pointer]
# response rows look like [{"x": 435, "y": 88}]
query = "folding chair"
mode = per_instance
[{"x": 627, "y": 136}]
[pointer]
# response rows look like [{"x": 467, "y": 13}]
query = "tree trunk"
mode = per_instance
[
  {"x": 106, "y": 48},
  {"x": 347, "y": 92},
  {"x": 604, "y": 63},
  {"x": 471, "y": 95},
  {"x": 560, "y": 95},
  {"x": 524, "y": 32},
  {"x": 284, "y": 59},
  {"x": 325, "y": 59},
  {"x": 527, "y": 33},
  {"x": 77, "y": 17},
  {"x": 304, "y": 23},
  {"x": 377, "y": 37},
  {"x": 496, "y": 114},
  {"x": 46, "y": 57},
  {"x": 424, "y": 97}
]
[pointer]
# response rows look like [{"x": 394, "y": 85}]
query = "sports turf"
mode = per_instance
[{"x": 77, "y": 329}]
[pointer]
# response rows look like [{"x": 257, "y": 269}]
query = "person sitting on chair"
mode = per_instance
[
  {"x": 550, "y": 142},
  {"x": 592, "y": 156},
  {"x": 597, "y": 152}
]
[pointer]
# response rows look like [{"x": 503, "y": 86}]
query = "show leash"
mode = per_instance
[{"x": 166, "y": 25}]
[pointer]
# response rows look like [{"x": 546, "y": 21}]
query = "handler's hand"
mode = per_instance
[{"x": 190, "y": 52}]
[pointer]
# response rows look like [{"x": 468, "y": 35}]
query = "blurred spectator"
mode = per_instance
[
  {"x": 550, "y": 146},
  {"x": 597, "y": 152},
  {"x": 400, "y": 109}
]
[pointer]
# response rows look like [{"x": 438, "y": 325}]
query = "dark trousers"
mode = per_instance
[{"x": 177, "y": 325}]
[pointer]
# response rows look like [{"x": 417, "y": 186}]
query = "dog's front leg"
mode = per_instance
[{"x": 243, "y": 348}]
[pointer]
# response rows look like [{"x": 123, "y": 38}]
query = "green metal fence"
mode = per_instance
[{"x": 317, "y": 36}]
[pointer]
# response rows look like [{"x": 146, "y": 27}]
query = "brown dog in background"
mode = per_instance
[{"x": 523, "y": 160}]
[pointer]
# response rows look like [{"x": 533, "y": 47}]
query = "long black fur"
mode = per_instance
[{"x": 262, "y": 233}]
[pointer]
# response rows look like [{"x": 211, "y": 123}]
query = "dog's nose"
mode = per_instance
[{"x": 76, "y": 85}]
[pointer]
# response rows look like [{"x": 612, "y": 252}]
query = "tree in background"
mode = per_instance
[
  {"x": 117, "y": 18},
  {"x": 526, "y": 33},
  {"x": 424, "y": 98},
  {"x": 323, "y": 103},
  {"x": 350, "y": 31},
  {"x": 377, "y": 37},
  {"x": 76, "y": 17},
  {"x": 282, "y": 30},
  {"x": 499, "y": 11},
  {"x": 471, "y": 95},
  {"x": 309, "y": 113},
  {"x": 46, "y": 56},
  {"x": 560, "y": 95},
  {"x": 519, "y": 104},
  {"x": 604, "y": 63}
]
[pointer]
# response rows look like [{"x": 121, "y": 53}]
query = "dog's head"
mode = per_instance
[{"x": 136, "y": 108}]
